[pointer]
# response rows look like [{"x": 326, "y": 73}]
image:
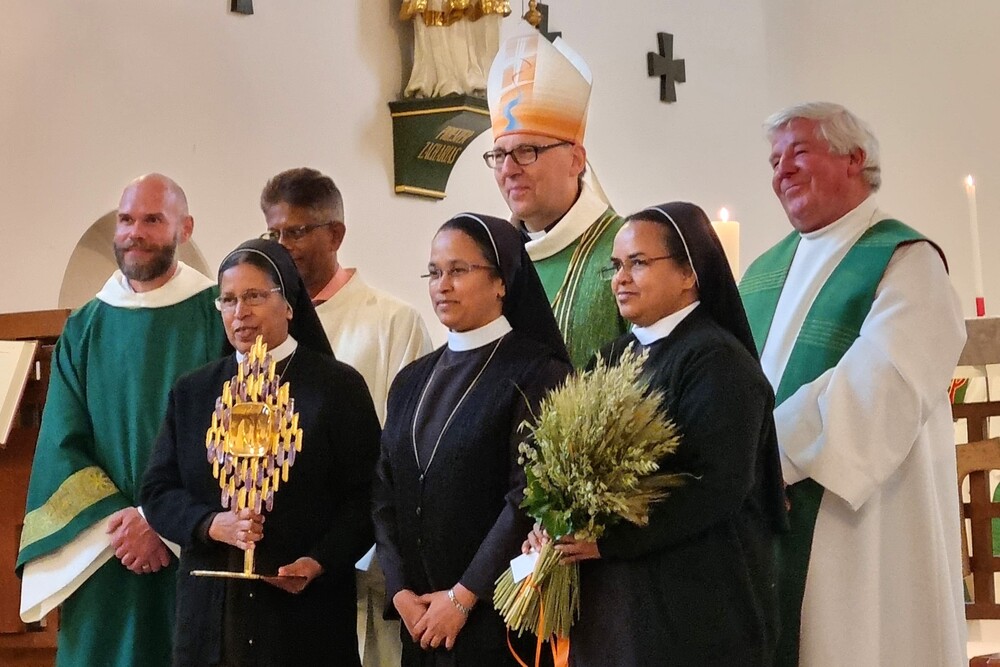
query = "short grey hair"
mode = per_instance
[
  {"x": 305, "y": 188},
  {"x": 841, "y": 129}
]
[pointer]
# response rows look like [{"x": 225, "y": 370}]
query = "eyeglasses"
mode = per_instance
[
  {"x": 456, "y": 272},
  {"x": 292, "y": 233},
  {"x": 251, "y": 298},
  {"x": 633, "y": 267},
  {"x": 522, "y": 155}
]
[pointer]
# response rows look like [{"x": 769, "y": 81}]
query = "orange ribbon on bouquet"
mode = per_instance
[{"x": 559, "y": 645}]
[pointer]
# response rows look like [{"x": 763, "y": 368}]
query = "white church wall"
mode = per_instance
[
  {"x": 96, "y": 93},
  {"x": 927, "y": 78}
]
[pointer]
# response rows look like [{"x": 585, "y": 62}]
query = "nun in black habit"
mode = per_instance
[
  {"x": 448, "y": 484},
  {"x": 320, "y": 523},
  {"x": 696, "y": 586}
]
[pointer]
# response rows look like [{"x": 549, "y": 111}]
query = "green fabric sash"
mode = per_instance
[
  {"x": 831, "y": 326},
  {"x": 112, "y": 370},
  {"x": 79, "y": 498},
  {"x": 582, "y": 302}
]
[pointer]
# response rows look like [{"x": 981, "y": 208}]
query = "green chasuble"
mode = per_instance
[
  {"x": 581, "y": 299},
  {"x": 831, "y": 326},
  {"x": 111, "y": 372}
]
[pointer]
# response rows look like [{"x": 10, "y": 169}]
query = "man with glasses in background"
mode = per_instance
[
  {"x": 538, "y": 96},
  {"x": 85, "y": 544},
  {"x": 372, "y": 331}
]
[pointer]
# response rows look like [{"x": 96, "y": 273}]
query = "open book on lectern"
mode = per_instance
[{"x": 15, "y": 366}]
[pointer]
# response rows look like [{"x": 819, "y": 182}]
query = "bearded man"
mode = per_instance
[{"x": 85, "y": 544}]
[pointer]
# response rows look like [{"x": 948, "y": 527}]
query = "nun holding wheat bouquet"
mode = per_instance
[{"x": 693, "y": 581}]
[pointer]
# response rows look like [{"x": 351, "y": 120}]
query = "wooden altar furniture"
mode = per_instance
[
  {"x": 24, "y": 645},
  {"x": 976, "y": 459}
]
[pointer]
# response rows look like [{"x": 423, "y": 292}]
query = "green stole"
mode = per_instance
[
  {"x": 831, "y": 326},
  {"x": 584, "y": 307}
]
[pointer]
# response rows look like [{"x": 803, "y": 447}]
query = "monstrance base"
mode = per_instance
[
  {"x": 253, "y": 576},
  {"x": 225, "y": 574}
]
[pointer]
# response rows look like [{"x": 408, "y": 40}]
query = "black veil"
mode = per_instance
[
  {"x": 525, "y": 306},
  {"x": 717, "y": 288},
  {"x": 305, "y": 326}
]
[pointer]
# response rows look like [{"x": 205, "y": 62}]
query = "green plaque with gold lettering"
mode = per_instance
[{"x": 429, "y": 135}]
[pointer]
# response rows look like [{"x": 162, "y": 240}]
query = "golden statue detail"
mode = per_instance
[
  {"x": 252, "y": 442},
  {"x": 454, "y": 42}
]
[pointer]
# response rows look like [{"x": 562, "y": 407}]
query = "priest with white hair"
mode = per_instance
[{"x": 859, "y": 331}]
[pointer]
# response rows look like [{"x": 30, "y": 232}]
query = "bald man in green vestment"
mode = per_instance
[{"x": 85, "y": 544}]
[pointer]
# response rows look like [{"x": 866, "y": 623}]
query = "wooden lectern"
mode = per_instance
[{"x": 24, "y": 645}]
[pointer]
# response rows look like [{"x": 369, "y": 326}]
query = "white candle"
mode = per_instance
[
  {"x": 728, "y": 232},
  {"x": 977, "y": 260}
]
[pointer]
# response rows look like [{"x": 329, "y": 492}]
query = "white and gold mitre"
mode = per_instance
[{"x": 539, "y": 88}]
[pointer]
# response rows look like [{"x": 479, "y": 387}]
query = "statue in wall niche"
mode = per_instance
[{"x": 454, "y": 43}]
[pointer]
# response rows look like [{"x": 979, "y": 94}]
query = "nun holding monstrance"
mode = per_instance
[{"x": 319, "y": 524}]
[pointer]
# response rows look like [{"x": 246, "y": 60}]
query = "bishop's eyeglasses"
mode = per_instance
[{"x": 522, "y": 155}]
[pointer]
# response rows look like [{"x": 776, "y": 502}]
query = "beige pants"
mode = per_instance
[{"x": 378, "y": 639}]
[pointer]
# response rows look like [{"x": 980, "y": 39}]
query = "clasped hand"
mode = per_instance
[
  {"x": 571, "y": 549},
  {"x": 136, "y": 544},
  {"x": 432, "y": 619},
  {"x": 241, "y": 529}
]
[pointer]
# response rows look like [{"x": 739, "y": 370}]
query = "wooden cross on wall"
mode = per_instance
[
  {"x": 663, "y": 65},
  {"x": 543, "y": 27}
]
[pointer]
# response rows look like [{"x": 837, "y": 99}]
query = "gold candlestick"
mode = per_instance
[{"x": 252, "y": 442}]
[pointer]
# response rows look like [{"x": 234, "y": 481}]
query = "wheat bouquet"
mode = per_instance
[{"x": 592, "y": 459}]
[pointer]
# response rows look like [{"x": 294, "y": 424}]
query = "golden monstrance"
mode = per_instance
[{"x": 252, "y": 442}]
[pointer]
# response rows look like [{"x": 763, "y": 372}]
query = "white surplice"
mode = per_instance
[
  {"x": 374, "y": 332},
  {"x": 884, "y": 585}
]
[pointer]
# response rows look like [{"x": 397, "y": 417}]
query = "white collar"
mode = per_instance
[
  {"x": 185, "y": 283},
  {"x": 662, "y": 327},
  {"x": 849, "y": 226},
  {"x": 461, "y": 341},
  {"x": 581, "y": 215},
  {"x": 347, "y": 291},
  {"x": 280, "y": 352}
]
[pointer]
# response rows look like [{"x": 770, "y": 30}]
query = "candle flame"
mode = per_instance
[
  {"x": 724, "y": 213},
  {"x": 969, "y": 183}
]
